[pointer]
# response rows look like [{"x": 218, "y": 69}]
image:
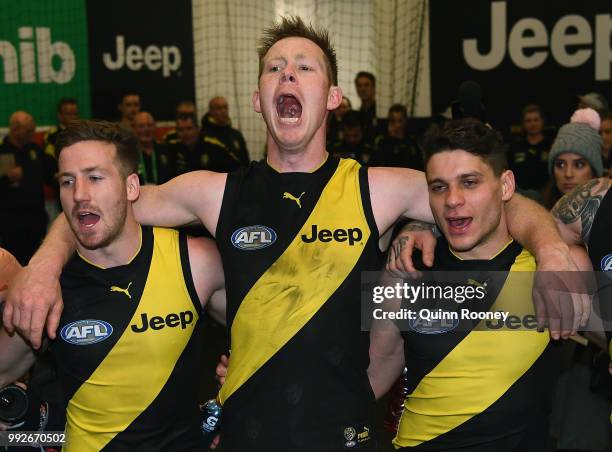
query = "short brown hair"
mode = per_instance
[
  {"x": 108, "y": 132},
  {"x": 470, "y": 135},
  {"x": 532, "y": 108},
  {"x": 294, "y": 27}
]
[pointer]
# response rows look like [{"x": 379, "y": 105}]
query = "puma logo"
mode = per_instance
[
  {"x": 125, "y": 291},
  {"x": 473, "y": 282},
  {"x": 288, "y": 195}
]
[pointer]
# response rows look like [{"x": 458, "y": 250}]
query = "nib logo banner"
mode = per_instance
[
  {"x": 43, "y": 57},
  {"x": 521, "y": 51},
  {"x": 142, "y": 46}
]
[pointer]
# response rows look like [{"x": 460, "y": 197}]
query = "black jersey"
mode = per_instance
[
  {"x": 472, "y": 385},
  {"x": 293, "y": 246},
  {"x": 600, "y": 253},
  {"x": 128, "y": 350}
]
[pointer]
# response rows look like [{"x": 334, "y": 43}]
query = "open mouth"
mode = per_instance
[
  {"x": 459, "y": 224},
  {"x": 88, "y": 219},
  {"x": 289, "y": 109}
]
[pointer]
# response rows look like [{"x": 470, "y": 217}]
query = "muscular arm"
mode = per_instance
[
  {"x": 386, "y": 346},
  {"x": 575, "y": 212},
  {"x": 208, "y": 276},
  {"x": 397, "y": 192},
  {"x": 191, "y": 197}
]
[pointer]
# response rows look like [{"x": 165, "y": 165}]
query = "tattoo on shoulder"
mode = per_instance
[{"x": 582, "y": 203}]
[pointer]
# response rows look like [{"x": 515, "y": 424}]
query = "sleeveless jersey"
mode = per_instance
[
  {"x": 600, "y": 253},
  {"x": 128, "y": 350},
  {"x": 473, "y": 385},
  {"x": 293, "y": 246}
]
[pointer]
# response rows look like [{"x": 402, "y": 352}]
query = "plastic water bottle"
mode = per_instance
[{"x": 211, "y": 417}]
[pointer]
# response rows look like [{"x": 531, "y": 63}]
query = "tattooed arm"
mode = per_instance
[{"x": 576, "y": 211}]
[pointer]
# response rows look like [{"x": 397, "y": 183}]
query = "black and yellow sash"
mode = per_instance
[{"x": 300, "y": 281}]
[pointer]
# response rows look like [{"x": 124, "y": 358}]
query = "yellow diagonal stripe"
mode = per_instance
[
  {"x": 304, "y": 277},
  {"x": 478, "y": 371},
  {"x": 136, "y": 369}
]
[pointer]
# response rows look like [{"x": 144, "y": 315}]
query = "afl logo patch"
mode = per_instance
[
  {"x": 86, "y": 332},
  {"x": 606, "y": 265},
  {"x": 253, "y": 237}
]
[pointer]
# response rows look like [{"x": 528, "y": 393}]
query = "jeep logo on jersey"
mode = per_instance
[
  {"x": 432, "y": 326},
  {"x": 157, "y": 322},
  {"x": 352, "y": 235},
  {"x": 166, "y": 58},
  {"x": 606, "y": 265},
  {"x": 253, "y": 237},
  {"x": 86, "y": 332}
]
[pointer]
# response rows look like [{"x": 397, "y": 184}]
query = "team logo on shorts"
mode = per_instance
[
  {"x": 86, "y": 332},
  {"x": 606, "y": 265},
  {"x": 253, "y": 237}
]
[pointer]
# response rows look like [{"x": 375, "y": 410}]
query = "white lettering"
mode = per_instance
[
  {"x": 560, "y": 39},
  {"x": 519, "y": 41}
]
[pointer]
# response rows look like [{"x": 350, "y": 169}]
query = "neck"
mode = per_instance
[
  {"x": 367, "y": 104},
  {"x": 147, "y": 147},
  {"x": 125, "y": 122},
  {"x": 121, "y": 251},
  {"x": 302, "y": 160},
  {"x": 489, "y": 246},
  {"x": 535, "y": 138}
]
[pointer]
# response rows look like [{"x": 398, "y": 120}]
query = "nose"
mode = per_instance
[
  {"x": 569, "y": 172},
  {"x": 80, "y": 190},
  {"x": 288, "y": 75},
  {"x": 454, "y": 197}
]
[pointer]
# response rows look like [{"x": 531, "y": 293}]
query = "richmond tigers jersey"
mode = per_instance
[
  {"x": 293, "y": 246},
  {"x": 472, "y": 385},
  {"x": 127, "y": 351}
]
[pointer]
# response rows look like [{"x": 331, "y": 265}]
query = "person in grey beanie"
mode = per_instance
[{"x": 575, "y": 156}]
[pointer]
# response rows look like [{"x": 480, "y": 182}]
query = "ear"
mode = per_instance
[
  {"x": 132, "y": 185},
  {"x": 256, "y": 103},
  {"x": 508, "y": 185},
  {"x": 334, "y": 97}
]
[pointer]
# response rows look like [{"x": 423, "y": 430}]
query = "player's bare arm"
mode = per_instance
[
  {"x": 208, "y": 276},
  {"x": 191, "y": 197}
]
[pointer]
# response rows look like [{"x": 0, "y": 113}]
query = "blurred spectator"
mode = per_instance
[
  {"x": 221, "y": 139},
  {"x": 595, "y": 101},
  {"x": 575, "y": 156},
  {"x": 23, "y": 170},
  {"x": 128, "y": 106},
  {"x": 606, "y": 136},
  {"x": 528, "y": 156},
  {"x": 353, "y": 144},
  {"x": 365, "y": 85},
  {"x": 334, "y": 126},
  {"x": 157, "y": 161},
  {"x": 184, "y": 108},
  {"x": 396, "y": 147},
  {"x": 67, "y": 110},
  {"x": 189, "y": 148}
]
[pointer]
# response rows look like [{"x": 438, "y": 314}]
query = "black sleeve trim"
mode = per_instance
[{"x": 184, "y": 252}]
